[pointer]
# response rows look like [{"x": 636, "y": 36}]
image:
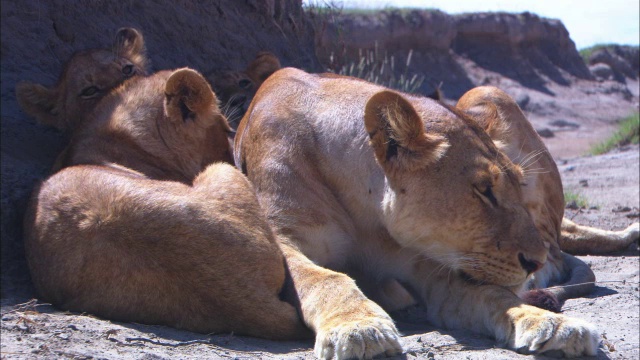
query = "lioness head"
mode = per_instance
[
  {"x": 236, "y": 89},
  {"x": 86, "y": 78},
  {"x": 450, "y": 193}
]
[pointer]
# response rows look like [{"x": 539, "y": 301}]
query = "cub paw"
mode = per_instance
[
  {"x": 363, "y": 339},
  {"x": 555, "y": 333}
]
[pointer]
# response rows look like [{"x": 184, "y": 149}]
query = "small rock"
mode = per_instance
[
  {"x": 633, "y": 215},
  {"x": 431, "y": 355},
  {"x": 572, "y": 205},
  {"x": 73, "y": 327},
  {"x": 601, "y": 71},
  {"x": 570, "y": 168},
  {"x": 621, "y": 209},
  {"x": 584, "y": 183},
  {"x": 545, "y": 133},
  {"x": 561, "y": 123},
  {"x": 63, "y": 336}
]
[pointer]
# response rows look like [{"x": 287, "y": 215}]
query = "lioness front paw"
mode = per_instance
[
  {"x": 362, "y": 339},
  {"x": 551, "y": 332}
]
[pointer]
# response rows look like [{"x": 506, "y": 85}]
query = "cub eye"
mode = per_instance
[
  {"x": 90, "y": 92},
  {"x": 127, "y": 70},
  {"x": 487, "y": 194},
  {"x": 244, "y": 83}
]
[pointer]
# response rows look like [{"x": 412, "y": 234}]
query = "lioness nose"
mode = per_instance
[{"x": 529, "y": 266}]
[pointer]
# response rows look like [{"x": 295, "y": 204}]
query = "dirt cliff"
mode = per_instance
[{"x": 524, "y": 47}]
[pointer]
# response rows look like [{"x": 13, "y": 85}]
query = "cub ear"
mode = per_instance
[
  {"x": 188, "y": 96},
  {"x": 262, "y": 67},
  {"x": 39, "y": 102},
  {"x": 129, "y": 43},
  {"x": 397, "y": 134}
]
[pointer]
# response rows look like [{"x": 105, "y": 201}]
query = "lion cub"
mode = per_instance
[
  {"x": 143, "y": 223},
  {"x": 237, "y": 88},
  {"x": 86, "y": 78}
]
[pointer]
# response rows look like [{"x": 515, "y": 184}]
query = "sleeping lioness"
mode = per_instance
[
  {"x": 145, "y": 223},
  {"x": 399, "y": 192},
  {"x": 512, "y": 133}
]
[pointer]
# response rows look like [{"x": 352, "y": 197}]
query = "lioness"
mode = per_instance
[
  {"x": 145, "y": 224},
  {"x": 86, "y": 78},
  {"x": 385, "y": 186},
  {"x": 512, "y": 133}
]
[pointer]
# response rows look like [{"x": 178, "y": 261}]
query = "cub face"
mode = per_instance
[
  {"x": 450, "y": 193},
  {"x": 236, "y": 89},
  {"x": 87, "y": 77}
]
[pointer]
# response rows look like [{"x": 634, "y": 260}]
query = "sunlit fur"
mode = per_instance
[
  {"x": 147, "y": 222},
  {"x": 503, "y": 120},
  {"x": 393, "y": 191}
]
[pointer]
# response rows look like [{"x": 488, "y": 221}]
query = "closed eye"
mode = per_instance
[
  {"x": 487, "y": 194},
  {"x": 89, "y": 92}
]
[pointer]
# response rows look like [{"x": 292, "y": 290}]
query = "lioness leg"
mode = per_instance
[
  {"x": 578, "y": 239},
  {"x": 347, "y": 324},
  {"x": 455, "y": 303}
]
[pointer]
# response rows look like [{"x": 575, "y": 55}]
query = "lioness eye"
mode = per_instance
[
  {"x": 488, "y": 194},
  {"x": 244, "y": 83},
  {"x": 127, "y": 70},
  {"x": 91, "y": 91}
]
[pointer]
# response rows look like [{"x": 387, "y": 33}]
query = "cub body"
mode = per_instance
[{"x": 144, "y": 223}]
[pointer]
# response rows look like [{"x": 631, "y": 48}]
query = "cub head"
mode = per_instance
[
  {"x": 167, "y": 126},
  {"x": 450, "y": 193},
  {"x": 236, "y": 89},
  {"x": 86, "y": 78}
]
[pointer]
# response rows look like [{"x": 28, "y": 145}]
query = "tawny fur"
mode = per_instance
[
  {"x": 504, "y": 121},
  {"x": 361, "y": 181},
  {"x": 145, "y": 223},
  {"x": 85, "y": 79}
]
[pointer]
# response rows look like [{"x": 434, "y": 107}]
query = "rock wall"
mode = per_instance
[
  {"x": 37, "y": 37},
  {"x": 524, "y": 47}
]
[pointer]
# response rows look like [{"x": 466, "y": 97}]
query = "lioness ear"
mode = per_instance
[
  {"x": 188, "y": 96},
  {"x": 39, "y": 102},
  {"x": 397, "y": 134},
  {"x": 482, "y": 104},
  {"x": 129, "y": 43},
  {"x": 262, "y": 67}
]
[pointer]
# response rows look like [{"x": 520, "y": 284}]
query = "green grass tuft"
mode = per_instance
[
  {"x": 586, "y": 52},
  {"x": 580, "y": 201},
  {"x": 628, "y": 133}
]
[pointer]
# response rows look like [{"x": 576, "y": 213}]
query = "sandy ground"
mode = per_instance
[{"x": 38, "y": 331}]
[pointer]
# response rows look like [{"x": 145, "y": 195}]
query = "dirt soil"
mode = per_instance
[{"x": 34, "y": 330}]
